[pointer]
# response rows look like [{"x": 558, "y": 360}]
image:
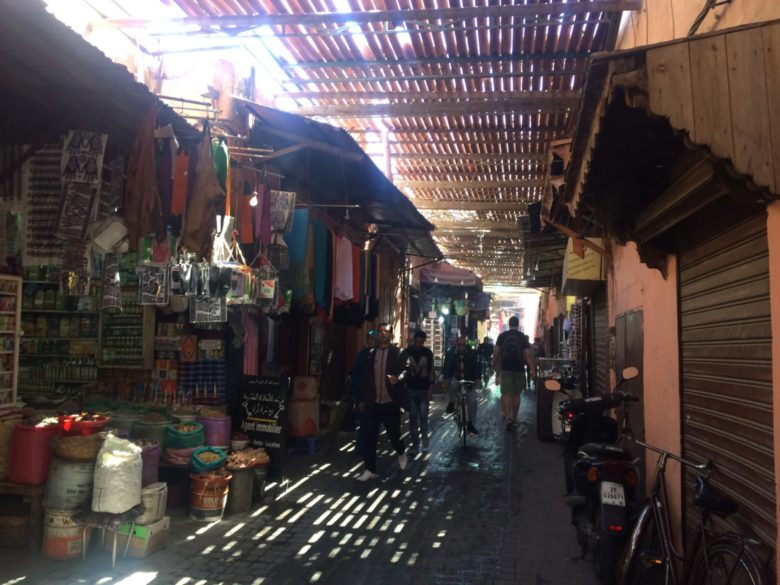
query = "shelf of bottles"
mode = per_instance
[
  {"x": 10, "y": 305},
  {"x": 435, "y": 339},
  {"x": 58, "y": 348},
  {"x": 121, "y": 330}
]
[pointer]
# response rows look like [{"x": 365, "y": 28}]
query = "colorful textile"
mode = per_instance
[
  {"x": 321, "y": 261},
  {"x": 203, "y": 379},
  {"x": 296, "y": 236}
]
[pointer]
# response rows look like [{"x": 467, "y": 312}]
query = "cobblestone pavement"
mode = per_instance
[{"x": 489, "y": 515}]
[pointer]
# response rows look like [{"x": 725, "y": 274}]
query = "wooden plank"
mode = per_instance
[
  {"x": 519, "y": 184},
  {"x": 750, "y": 107},
  {"x": 468, "y": 156},
  {"x": 771, "y": 36},
  {"x": 472, "y": 205},
  {"x": 558, "y": 98},
  {"x": 477, "y": 225},
  {"x": 669, "y": 82},
  {"x": 660, "y": 19},
  {"x": 711, "y": 101},
  {"x": 394, "y": 16}
]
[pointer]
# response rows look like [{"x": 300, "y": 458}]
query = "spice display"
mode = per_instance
[{"x": 247, "y": 458}]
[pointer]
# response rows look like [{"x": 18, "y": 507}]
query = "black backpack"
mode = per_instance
[{"x": 512, "y": 353}]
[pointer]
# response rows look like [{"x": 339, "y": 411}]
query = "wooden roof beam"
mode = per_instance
[
  {"x": 472, "y": 226},
  {"x": 472, "y": 205},
  {"x": 522, "y": 184},
  {"x": 389, "y": 16},
  {"x": 479, "y": 156},
  {"x": 520, "y": 105},
  {"x": 436, "y": 77},
  {"x": 565, "y": 98},
  {"x": 473, "y": 60}
]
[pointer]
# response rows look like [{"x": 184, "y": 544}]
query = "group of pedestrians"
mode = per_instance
[{"x": 385, "y": 378}]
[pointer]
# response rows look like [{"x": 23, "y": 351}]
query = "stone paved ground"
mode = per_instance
[{"x": 491, "y": 515}]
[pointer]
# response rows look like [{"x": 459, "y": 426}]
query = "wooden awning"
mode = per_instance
[{"x": 722, "y": 90}]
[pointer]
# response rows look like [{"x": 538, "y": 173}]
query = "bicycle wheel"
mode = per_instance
[
  {"x": 731, "y": 562},
  {"x": 464, "y": 422},
  {"x": 643, "y": 561}
]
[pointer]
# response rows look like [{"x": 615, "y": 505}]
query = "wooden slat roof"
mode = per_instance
[{"x": 469, "y": 97}]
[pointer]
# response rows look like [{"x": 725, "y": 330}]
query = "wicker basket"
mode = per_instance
[{"x": 78, "y": 447}]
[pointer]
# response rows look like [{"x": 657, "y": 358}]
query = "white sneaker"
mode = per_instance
[
  {"x": 366, "y": 475},
  {"x": 402, "y": 460}
]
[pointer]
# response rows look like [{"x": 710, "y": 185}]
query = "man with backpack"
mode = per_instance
[{"x": 511, "y": 355}]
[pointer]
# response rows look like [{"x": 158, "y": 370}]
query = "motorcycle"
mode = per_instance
[{"x": 601, "y": 476}]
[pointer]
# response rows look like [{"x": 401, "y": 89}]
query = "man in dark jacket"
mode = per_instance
[
  {"x": 462, "y": 363},
  {"x": 380, "y": 400},
  {"x": 418, "y": 376}
]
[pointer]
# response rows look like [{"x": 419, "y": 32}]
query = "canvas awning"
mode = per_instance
[
  {"x": 332, "y": 169},
  {"x": 446, "y": 274}
]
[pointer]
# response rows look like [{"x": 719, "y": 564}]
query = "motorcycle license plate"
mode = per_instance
[{"x": 612, "y": 493}]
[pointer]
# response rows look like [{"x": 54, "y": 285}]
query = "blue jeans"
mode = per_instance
[{"x": 418, "y": 415}]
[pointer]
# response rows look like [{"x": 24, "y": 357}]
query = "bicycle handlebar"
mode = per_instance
[
  {"x": 706, "y": 466},
  {"x": 472, "y": 382}
]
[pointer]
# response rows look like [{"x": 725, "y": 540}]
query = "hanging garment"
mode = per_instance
[
  {"x": 342, "y": 277},
  {"x": 165, "y": 164},
  {"x": 179, "y": 196},
  {"x": 263, "y": 215},
  {"x": 251, "y": 354},
  {"x": 142, "y": 209},
  {"x": 202, "y": 209},
  {"x": 321, "y": 261},
  {"x": 282, "y": 206},
  {"x": 356, "y": 274},
  {"x": 296, "y": 236}
]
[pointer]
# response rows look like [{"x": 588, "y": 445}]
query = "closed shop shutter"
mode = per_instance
[
  {"x": 600, "y": 341},
  {"x": 726, "y": 345}
]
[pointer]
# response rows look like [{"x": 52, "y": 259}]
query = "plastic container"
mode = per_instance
[
  {"x": 31, "y": 453},
  {"x": 62, "y": 535},
  {"x": 208, "y": 496},
  {"x": 217, "y": 430},
  {"x": 150, "y": 456},
  {"x": 154, "y": 497},
  {"x": 69, "y": 485},
  {"x": 73, "y": 424},
  {"x": 240, "y": 496}
]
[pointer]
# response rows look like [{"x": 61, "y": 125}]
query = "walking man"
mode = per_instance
[
  {"x": 380, "y": 400},
  {"x": 356, "y": 383},
  {"x": 510, "y": 357},
  {"x": 418, "y": 377}
]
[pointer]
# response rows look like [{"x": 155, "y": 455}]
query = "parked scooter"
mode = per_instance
[{"x": 600, "y": 477}]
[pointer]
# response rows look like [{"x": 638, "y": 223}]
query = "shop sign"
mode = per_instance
[{"x": 264, "y": 405}]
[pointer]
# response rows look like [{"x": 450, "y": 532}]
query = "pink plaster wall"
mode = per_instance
[
  {"x": 633, "y": 286},
  {"x": 773, "y": 236}
]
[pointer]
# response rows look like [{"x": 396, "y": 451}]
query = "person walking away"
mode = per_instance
[
  {"x": 462, "y": 363},
  {"x": 380, "y": 400},
  {"x": 356, "y": 380},
  {"x": 418, "y": 377},
  {"x": 510, "y": 357},
  {"x": 485, "y": 351}
]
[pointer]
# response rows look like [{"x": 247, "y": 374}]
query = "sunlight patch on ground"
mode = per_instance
[{"x": 139, "y": 578}]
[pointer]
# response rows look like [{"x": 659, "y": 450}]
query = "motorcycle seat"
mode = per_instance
[
  {"x": 708, "y": 499},
  {"x": 603, "y": 450}
]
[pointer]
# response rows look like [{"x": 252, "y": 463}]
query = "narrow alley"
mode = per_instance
[{"x": 490, "y": 515}]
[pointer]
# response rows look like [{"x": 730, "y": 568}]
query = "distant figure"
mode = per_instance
[
  {"x": 538, "y": 348},
  {"x": 485, "y": 351},
  {"x": 418, "y": 377}
]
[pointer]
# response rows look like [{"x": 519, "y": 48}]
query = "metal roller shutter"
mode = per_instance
[
  {"x": 600, "y": 341},
  {"x": 726, "y": 359}
]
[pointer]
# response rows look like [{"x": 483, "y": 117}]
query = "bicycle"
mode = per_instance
[
  {"x": 651, "y": 558},
  {"x": 461, "y": 412}
]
